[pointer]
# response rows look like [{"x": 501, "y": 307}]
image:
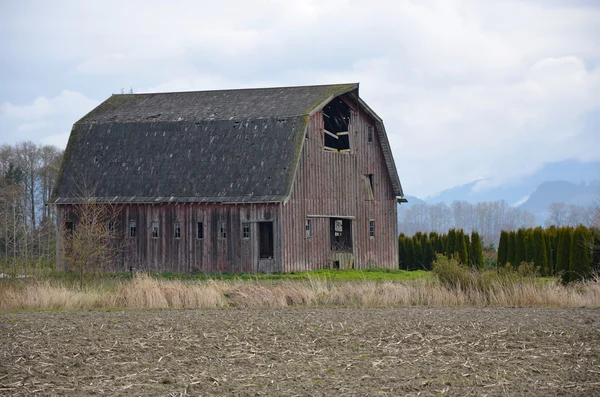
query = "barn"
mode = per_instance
[{"x": 238, "y": 181}]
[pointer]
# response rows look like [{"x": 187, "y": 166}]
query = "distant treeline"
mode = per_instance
[
  {"x": 419, "y": 251},
  {"x": 570, "y": 253}
]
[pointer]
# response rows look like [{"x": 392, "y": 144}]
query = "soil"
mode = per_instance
[{"x": 342, "y": 352}]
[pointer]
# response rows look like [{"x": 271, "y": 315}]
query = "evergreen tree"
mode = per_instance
[
  {"x": 502, "y": 248},
  {"x": 418, "y": 263},
  {"x": 401, "y": 252},
  {"x": 410, "y": 254},
  {"x": 476, "y": 250},
  {"x": 429, "y": 254},
  {"x": 511, "y": 240},
  {"x": 520, "y": 247},
  {"x": 580, "y": 259},
  {"x": 529, "y": 246},
  {"x": 549, "y": 256},
  {"x": 539, "y": 251},
  {"x": 596, "y": 250},
  {"x": 450, "y": 243},
  {"x": 563, "y": 253},
  {"x": 461, "y": 247}
]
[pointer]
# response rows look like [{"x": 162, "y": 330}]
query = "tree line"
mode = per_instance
[
  {"x": 27, "y": 224},
  {"x": 420, "y": 251},
  {"x": 488, "y": 218},
  {"x": 571, "y": 253}
]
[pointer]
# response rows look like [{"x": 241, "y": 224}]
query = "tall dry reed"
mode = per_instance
[{"x": 145, "y": 292}]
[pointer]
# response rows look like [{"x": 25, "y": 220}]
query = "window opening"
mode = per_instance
[
  {"x": 336, "y": 118},
  {"x": 177, "y": 230},
  {"x": 265, "y": 231},
  {"x": 132, "y": 229},
  {"x": 368, "y": 186},
  {"x": 307, "y": 227},
  {"x": 200, "y": 230},
  {"x": 370, "y": 134},
  {"x": 222, "y": 230},
  {"x": 69, "y": 227},
  {"x": 154, "y": 229},
  {"x": 371, "y": 228},
  {"x": 246, "y": 230},
  {"x": 341, "y": 234}
]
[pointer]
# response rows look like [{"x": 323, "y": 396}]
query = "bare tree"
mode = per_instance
[
  {"x": 88, "y": 243},
  {"x": 557, "y": 214}
]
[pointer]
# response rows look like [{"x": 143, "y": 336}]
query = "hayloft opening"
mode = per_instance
[
  {"x": 341, "y": 234},
  {"x": 336, "y": 119},
  {"x": 265, "y": 231}
]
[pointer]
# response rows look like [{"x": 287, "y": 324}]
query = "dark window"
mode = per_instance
[
  {"x": 370, "y": 134},
  {"x": 246, "y": 230},
  {"x": 177, "y": 230},
  {"x": 371, "y": 228},
  {"x": 132, "y": 229},
  {"x": 265, "y": 231},
  {"x": 368, "y": 187},
  {"x": 307, "y": 227},
  {"x": 154, "y": 229},
  {"x": 336, "y": 120},
  {"x": 200, "y": 230},
  {"x": 341, "y": 234},
  {"x": 69, "y": 227},
  {"x": 222, "y": 230}
]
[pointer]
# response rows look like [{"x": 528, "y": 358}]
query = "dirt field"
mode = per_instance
[{"x": 344, "y": 352}]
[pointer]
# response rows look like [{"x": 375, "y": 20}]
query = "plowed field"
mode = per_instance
[{"x": 341, "y": 352}]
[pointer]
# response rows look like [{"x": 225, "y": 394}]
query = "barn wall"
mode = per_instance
[
  {"x": 331, "y": 184},
  {"x": 212, "y": 254}
]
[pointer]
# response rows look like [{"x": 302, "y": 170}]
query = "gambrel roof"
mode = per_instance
[{"x": 227, "y": 146}]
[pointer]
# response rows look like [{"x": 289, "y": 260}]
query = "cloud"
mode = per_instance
[
  {"x": 468, "y": 89},
  {"x": 44, "y": 119}
]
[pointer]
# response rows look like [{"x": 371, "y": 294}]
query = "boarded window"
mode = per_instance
[
  {"x": 368, "y": 187},
  {"x": 177, "y": 230},
  {"x": 245, "y": 230},
  {"x": 265, "y": 231},
  {"x": 200, "y": 230},
  {"x": 132, "y": 229},
  {"x": 222, "y": 230},
  {"x": 371, "y": 228},
  {"x": 154, "y": 227},
  {"x": 341, "y": 234},
  {"x": 336, "y": 121},
  {"x": 308, "y": 230}
]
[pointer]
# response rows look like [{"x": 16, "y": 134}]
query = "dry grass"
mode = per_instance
[{"x": 150, "y": 293}]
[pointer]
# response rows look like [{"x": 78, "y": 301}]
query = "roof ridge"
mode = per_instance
[{"x": 236, "y": 89}]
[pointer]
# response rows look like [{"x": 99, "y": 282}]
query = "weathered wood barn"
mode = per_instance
[{"x": 249, "y": 180}]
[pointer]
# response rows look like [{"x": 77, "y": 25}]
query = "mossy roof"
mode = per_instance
[{"x": 206, "y": 146}]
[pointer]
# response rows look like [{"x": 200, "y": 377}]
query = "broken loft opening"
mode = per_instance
[
  {"x": 336, "y": 119},
  {"x": 341, "y": 234}
]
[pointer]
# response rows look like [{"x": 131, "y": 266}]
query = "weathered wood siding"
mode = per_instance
[
  {"x": 212, "y": 254},
  {"x": 331, "y": 184}
]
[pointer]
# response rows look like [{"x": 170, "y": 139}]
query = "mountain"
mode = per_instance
[
  {"x": 560, "y": 191},
  {"x": 570, "y": 171}
]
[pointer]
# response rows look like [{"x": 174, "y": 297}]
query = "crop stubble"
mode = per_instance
[{"x": 366, "y": 352}]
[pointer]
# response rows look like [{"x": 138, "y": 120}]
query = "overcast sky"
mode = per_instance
[{"x": 467, "y": 89}]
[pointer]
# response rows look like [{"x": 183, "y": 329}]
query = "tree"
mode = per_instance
[
  {"x": 580, "y": 259},
  {"x": 502, "y": 248},
  {"x": 462, "y": 244},
  {"x": 563, "y": 253},
  {"x": 476, "y": 251},
  {"x": 539, "y": 251},
  {"x": 88, "y": 245},
  {"x": 557, "y": 214}
]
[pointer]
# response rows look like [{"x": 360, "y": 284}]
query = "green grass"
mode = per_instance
[{"x": 366, "y": 274}]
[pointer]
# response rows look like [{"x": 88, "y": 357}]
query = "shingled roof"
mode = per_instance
[{"x": 206, "y": 146}]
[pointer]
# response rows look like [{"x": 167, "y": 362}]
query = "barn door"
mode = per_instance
[{"x": 340, "y": 231}]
